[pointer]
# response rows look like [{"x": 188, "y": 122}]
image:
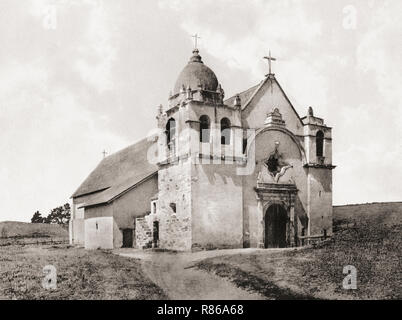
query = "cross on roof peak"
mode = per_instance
[
  {"x": 269, "y": 58},
  {"x": 104, "y": 153}
]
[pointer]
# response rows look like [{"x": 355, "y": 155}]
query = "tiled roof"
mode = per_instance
[
  {"x": 244, "y": 96},
  {"x": 118, "y": 172}
]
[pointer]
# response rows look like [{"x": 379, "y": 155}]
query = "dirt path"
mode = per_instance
[{"x": 174, "y": 273}]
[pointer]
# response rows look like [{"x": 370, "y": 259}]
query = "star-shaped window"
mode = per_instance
[{"x": 273, "y": 164}]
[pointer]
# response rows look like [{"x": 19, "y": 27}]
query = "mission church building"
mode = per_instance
[{"x": 236, "y": 173}]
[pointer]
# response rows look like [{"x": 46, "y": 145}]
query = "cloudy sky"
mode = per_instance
[{"x": 78, "y": 77}]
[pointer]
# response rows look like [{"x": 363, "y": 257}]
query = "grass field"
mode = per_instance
[
  {"x": 368, "y": 236},
  {"x": 370, "y": 242},
  {"x": 16, "y": 229},
  {"x": 22, "y": 233},
  {"x": 80, "y": 274}
]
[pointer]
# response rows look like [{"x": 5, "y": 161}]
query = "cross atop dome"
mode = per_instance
[{"x": 196, "y": 37}]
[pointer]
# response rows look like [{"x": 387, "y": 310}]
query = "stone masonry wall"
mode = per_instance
[
  {"x": 143, "y": 233},
  {"x": 175, "y": 195}
]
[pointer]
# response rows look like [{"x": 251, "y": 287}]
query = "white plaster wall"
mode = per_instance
[
  {"x": 117, "y": 236},
  {"x": 76, "y": 224},
  {"x": 70, "y": 231},
  {"x": 79, "y": 212},
  {"x": 135, "y": 203},
  {"x": 320, "y": 201},
  {"x": 77, "y": 232},
  {"x": 217, "y": 202},
  {"x": 266, "y": 99},
  {"x": 101, "y": 237}
]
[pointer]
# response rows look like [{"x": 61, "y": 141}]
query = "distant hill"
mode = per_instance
[
  {"x": 389, "y": 213},
  {"x": 14, "y": 229},
  {"x": 367, "y": 237}
]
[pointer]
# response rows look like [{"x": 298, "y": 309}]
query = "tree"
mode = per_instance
[
  {"x": 37, "y": 218},
  {"x": 60, "y": 215}
]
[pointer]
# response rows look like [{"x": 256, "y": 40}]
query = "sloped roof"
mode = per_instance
[
  {"x": 118, "y": 172},
  {"x": 244, "y": 96},
  {"x": 248, "y": 95},
  {"x": 116, "y": 191}
]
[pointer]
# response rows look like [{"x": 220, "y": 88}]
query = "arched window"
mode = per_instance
[
  {"x": 170, "y": 132},
  {"x": 225, "y": 131},
  {"x": 319, "y": 144},
  {"x": 244, "y": 145},
  {"x": 204, "y": 128}
]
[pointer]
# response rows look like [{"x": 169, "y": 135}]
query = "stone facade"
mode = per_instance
[
  {"x": 143, "y": 234},
  {"x": 228, "y": 174},
  {"x": 174, "y": 206}
]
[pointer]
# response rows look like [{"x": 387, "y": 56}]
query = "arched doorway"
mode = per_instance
[{"x": 275, "y": 226}]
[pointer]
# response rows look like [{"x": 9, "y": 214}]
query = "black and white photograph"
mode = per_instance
[{"x": 219, "y": 150}]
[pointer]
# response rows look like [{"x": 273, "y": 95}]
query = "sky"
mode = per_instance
[{"x": 80, "y": 77}]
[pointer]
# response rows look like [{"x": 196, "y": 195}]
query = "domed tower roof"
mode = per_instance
[{"x": 196, "y": 75}]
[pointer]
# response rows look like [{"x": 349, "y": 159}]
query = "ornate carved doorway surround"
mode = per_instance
[{"x": 269, "y": 194}]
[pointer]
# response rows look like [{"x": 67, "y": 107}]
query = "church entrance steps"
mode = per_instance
[{"x": 174, "y": 273}]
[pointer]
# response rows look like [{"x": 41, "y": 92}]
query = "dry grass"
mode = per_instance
[
  {"x": 371, "y": 243},
  {"x": 16, "y": 229},
  {"x": 80, "y": 274}
]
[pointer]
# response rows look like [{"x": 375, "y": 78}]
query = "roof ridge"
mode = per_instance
[
  {"x": 262, "y": 83},
  {"x": 145, "y": 139},
  {"x": 108, "y": 198},
  {"x": 244, "y": 91},
  {"x": 259, "y": 86},
  {"x": 107, "y": 171}
]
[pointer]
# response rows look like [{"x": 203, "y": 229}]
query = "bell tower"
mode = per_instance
[
  {"x": 200, "y": 143},
  {"x": 318, "y": 146}
]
